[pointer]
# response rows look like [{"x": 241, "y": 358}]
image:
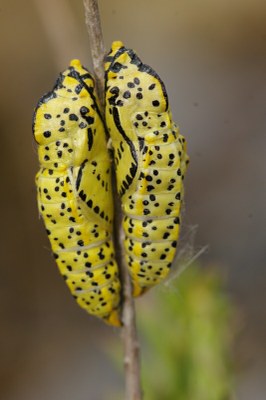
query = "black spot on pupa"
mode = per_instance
[
  {"x": 73, "y": 117},
  {"x": 127, "y": 94}
]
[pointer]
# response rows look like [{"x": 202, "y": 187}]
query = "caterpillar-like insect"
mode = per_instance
[
  {"x": 150, "y": 161},
  {"x": 74, "y": 191}
]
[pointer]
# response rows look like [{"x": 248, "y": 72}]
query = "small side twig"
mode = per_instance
[{"x": 130, "y": 339}]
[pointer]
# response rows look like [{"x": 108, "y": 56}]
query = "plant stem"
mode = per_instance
[
  {"x": 93, "y": 23},
  {"x": 130, "y": 339},
  {"x": 131, "y": 343}
]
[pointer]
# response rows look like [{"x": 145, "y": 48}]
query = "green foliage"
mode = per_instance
[
  {"x": 185, "y": 339},
  {"x": 185, "y": 336}
]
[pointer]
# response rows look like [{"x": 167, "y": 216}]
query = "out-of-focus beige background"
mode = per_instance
[{"x": 211, "y": 55}]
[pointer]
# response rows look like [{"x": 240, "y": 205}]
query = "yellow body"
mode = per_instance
[
  {"x": 74, "y": 191},
  {"x": 150, "y": 159}
]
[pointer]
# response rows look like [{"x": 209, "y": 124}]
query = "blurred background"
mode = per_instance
[{"x": 212, "y": 57}]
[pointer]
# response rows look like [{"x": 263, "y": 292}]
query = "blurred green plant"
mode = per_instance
[{"x": 185, "y": 332}]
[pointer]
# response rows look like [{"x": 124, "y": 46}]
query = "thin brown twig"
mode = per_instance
[
  {"x": 130, "y": 339},
  {"x": 93, "y": 23},
  {"x": 131, "y": 342}
]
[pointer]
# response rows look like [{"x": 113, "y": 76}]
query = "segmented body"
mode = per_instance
[
  {"x": 74, "y": 191},
  {"x": 150, "y": 159}
]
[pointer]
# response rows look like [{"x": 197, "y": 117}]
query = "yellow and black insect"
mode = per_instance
[
  {"x": 150, "y": 159},
  {"x": 74, "y": 191}
]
